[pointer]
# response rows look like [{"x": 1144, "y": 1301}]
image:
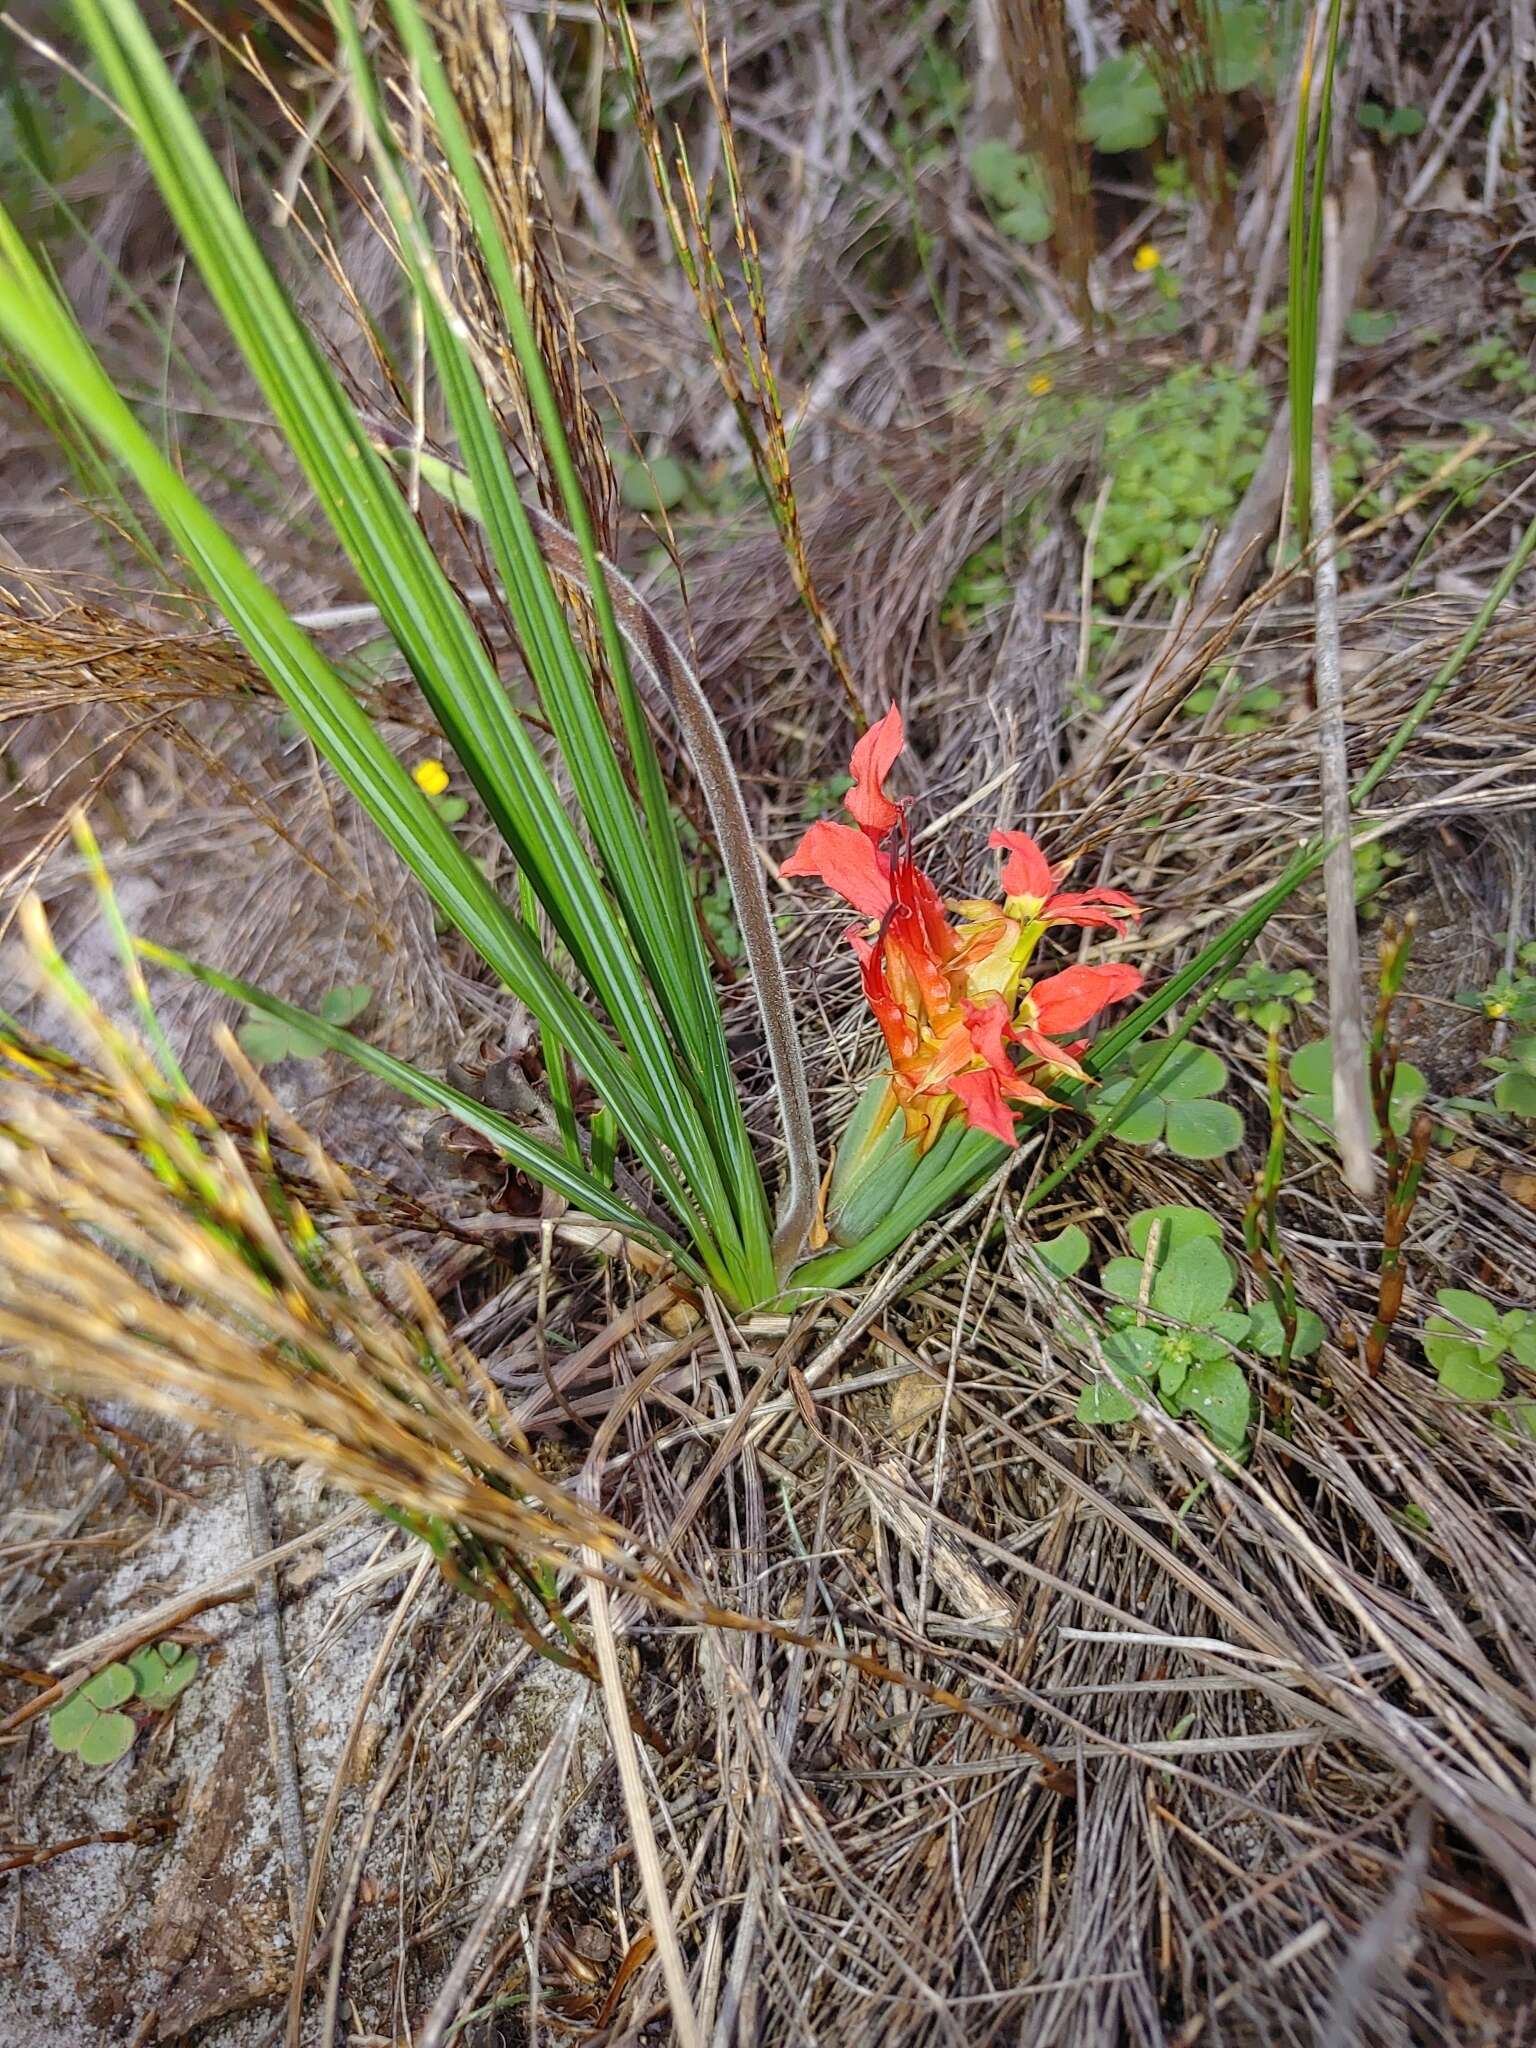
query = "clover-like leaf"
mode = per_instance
[
  {"x": 1066, "y": 1253},
  {"x": 1142, "y": 1123},
  {"x": 1520, "y": 1331},
  {"x": 1368, "y": 325},
  {"x": 1172, "y": 1102},
  {"x": 67, "y": 1725},
  {"x": 163, "y": 1671},
  {"x": 1311, "y": 1072},
  {"x": 1104, "y": 1403},
  {"x": 1194, "y": 1284},
  {"x": 108, "y": 1737},
  {"x": 1121, "y": 106},
  {"x": 110, "y": 1686},
  {"x": 341, "y": 1005},
  {"x": 1230, "y": 1325},
  {"x": 263, "y": 1040},
  {"x": 1191, "y": 1072},
  {"x": 1203, "y": 1130},
  {"x": 1181, "y": 1223},
  {"x": 87, "y": 1722},
  {"x": 1266, "y": 1335},
  {"x": 1216, "y": 1394}
]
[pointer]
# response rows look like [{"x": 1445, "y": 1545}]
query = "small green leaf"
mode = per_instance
[
  {"x": 1522, "y": 1340},
  {"x": 263, "y": 1041},
  {"x": 1366, "y": 327},
  {"x": 1230, "y": 1325},
  {"x": 1134, "y": 1350},
  {"x": 1267, "y": 1338},
  {"x": 343, "y": 1004},
  {"x": 662, "y": 484},
  {"x": 1515, "y": 1093},
  {"x": 1241, "y": 49},
  {"x": 1474, "y": 1310},
  {"x": 1311, "y": 1067},
  {"x": 1194, "y": 1283},
  {"x": 1217, "y": 1395},
  {"x": 1121, "y": 106},
  {"x": 1066, "y": 1254},
  {"x": 108, "y": 1737},
  {"x": 1372, "y": 118},
  {"x": 1103, "y": 1403},
  {"x": 1464, "y": 1373},
  {"x": 110, "y": 1687},
  {"x": 1403, "y": 122},
  {"x": 1191, "y": 1072},
  {"x": 1142, "y": 1124},
  {"x": 1203, "y": 1130},
  {"x": 68, "y": 1724},
  {"x": 1172, "y": 1371},
  {"x": 1180, "y": 1224},
  {"x": 451, "y": 809},
  {"x": 1122, "y": 1279}
]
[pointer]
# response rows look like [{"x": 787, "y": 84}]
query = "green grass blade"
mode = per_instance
[
  {"x": 530, "y": 1154},
  {"x": 416, "y": 602},
  {"x": 565, "y": 689},
  {"x": 35, "y": 322},
  {"x": 684, "y": 979}
]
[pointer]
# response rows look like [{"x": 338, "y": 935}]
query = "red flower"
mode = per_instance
[
  {"x": 951, "y": 1002},
  {"x": 1029, "y": 884}
]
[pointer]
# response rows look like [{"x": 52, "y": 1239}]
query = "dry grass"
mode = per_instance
[{"x": 1292, "y": 1721}]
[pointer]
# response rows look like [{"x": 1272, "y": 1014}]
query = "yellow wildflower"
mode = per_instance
[
  {"x": 430, "y": 777},
  {"x": 1040, "y": 383},
  {"x": 1147, "y": 257}
]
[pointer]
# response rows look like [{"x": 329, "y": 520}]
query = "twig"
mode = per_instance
[
  {"x": 274, "y": 1684},
  {"x": 546, "y": 1779},
  {"x": 1346, "y": 1009}
]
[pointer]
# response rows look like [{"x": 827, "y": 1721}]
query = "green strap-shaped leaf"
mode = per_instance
[
  {"x": 542, "y": 1162},
  {"x": 34, "y": 320},
  {"x": 403, "y": 578}
]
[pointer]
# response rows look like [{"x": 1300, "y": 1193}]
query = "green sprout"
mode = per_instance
[
  {"x": 1268, "y": 998},
  {"x": 266, "y": 1040},
  {"x": 1467, "y": 1340}
]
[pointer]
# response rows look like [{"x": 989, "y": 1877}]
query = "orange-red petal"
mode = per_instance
[
  {"x": 1026, "y": 872},
  {"x": 872, "y": 761},
  {"x": 1066, "y": 1001},
  {"x": 980, "y": 1095},
  {"x": 846, "y": 861}
]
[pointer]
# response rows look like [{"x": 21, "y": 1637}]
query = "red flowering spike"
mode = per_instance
[
  {"x": 1065, "y": 1002},
  {"x": 847, "y": 861},
  {"x": 872, "y": 761}
]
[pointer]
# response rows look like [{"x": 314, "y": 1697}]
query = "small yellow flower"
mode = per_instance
[
  {"x": 1040, "y": 383},
  {"x": 1147, "y": 257},
  {"x": 431, "y": 777}
]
